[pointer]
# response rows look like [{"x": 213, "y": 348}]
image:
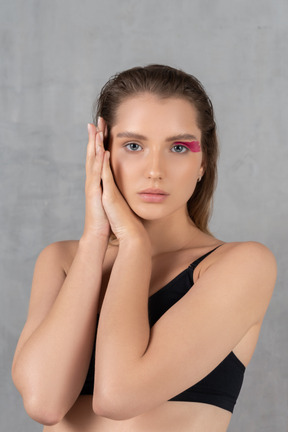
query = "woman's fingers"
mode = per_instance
[
  {"x": 102, "y": 126},
  {"x": 94, "y": 161},
  {"x": 95, "y": 149},
  {"x": 123, "y": 221},
  {"x": 96, "y": 222},
  {"x": 113, "y": 201},
  {"x": 109, "y": 186},
  {"x": 97, "y": 166},
  {"x": 112, "y": 198},
  {"x": 91, "y": 140}
]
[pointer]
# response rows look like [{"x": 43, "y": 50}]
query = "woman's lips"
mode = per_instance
[{"x": 153, "y": 195}]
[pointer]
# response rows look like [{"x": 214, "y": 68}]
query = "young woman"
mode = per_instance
[{"x": 177, "y": 312}]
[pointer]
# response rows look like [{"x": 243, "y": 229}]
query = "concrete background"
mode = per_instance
[{"x": 54, "y": 58}]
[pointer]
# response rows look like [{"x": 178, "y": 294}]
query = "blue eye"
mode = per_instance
[
  {"x": 178, "y": 148},
  {"x": 134, "y": 147}
]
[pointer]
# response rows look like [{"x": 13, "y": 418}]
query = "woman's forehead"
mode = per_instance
[{"x": 146, "y": 109}]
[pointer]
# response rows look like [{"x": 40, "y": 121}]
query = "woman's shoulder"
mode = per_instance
[
  {"x": 63, "y": 251},
  {"x": 242, "y": 271},
  {"x": 250, "y": 259},
  {"x": 62, "y": 247},
  {"x": 253, "y": 251}
]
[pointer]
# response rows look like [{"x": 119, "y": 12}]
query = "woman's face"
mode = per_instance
[{"x": 145, "y": 158}]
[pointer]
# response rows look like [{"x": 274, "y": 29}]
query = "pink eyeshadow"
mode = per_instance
[{"x": 194, "y": 146}]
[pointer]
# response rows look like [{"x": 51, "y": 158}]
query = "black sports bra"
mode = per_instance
[{"x": 220, "y": 387}]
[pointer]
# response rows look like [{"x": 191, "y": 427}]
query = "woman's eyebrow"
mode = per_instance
[
  {"x": 127, "y": 134},
  {"x": 181, "y": 137},
  {"x": 136, "y": 135}
]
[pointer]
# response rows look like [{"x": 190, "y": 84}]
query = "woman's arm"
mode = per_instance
[
  {"x": 54, "y": 350},
  {"x": 123, "y": 330}
]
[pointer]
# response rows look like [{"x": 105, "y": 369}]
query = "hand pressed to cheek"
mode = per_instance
[
  {"x": 124, "y": 223},
  {"x": 96, "y": 222}
]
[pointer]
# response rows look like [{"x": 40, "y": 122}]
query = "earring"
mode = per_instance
[{"x": 199, "y": 179}]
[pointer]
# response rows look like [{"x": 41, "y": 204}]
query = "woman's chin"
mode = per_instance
[{"x": 151, "y": 214}]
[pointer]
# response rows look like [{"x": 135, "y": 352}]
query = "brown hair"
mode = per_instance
[{"x": 165, "y": 82}]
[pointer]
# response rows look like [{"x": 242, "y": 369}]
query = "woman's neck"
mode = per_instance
[{"x": 175, "y": 232}]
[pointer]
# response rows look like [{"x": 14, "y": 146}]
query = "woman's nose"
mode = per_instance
[{"x": 154, "y": 166}]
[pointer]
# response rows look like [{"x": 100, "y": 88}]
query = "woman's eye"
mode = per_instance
[
  {"x": 178, "y": 148},
  {"x": 133, "y": 147}
]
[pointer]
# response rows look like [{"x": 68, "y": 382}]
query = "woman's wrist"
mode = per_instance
[
  {"x": 135, "y": 242},
  {"x": 94, "y": 243}
]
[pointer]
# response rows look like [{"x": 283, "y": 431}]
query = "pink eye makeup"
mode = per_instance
[{"x": 193, "y": 146}]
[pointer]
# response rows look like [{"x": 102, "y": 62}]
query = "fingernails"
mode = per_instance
[{"x": 88, "y": 127}]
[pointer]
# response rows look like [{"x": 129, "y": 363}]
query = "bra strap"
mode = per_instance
[{"x": 198, "y": 260}]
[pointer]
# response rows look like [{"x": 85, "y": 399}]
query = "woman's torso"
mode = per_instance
[{"x": 172, "y": 415}]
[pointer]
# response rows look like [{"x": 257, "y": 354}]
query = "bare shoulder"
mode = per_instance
[
  {"x": 254, "y": 255},
  {"x": 243, "y": 274},
  {"x": 251, "y": 263},
  {"x": 51, "y": 270},
  {"x": 60, "y": 252}
]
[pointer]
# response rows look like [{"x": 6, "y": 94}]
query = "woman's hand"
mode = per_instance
[
  {"x": 96, "y": 222},
  {"x": 125, "y": 225}
]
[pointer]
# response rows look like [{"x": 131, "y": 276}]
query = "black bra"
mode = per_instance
[{"x": 222, "y": 386}]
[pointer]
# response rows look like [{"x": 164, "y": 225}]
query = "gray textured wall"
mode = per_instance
[{"x": 55, "y": 55}]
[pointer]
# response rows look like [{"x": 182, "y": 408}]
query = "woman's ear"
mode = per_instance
[{"x": 201, "y": 171}]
